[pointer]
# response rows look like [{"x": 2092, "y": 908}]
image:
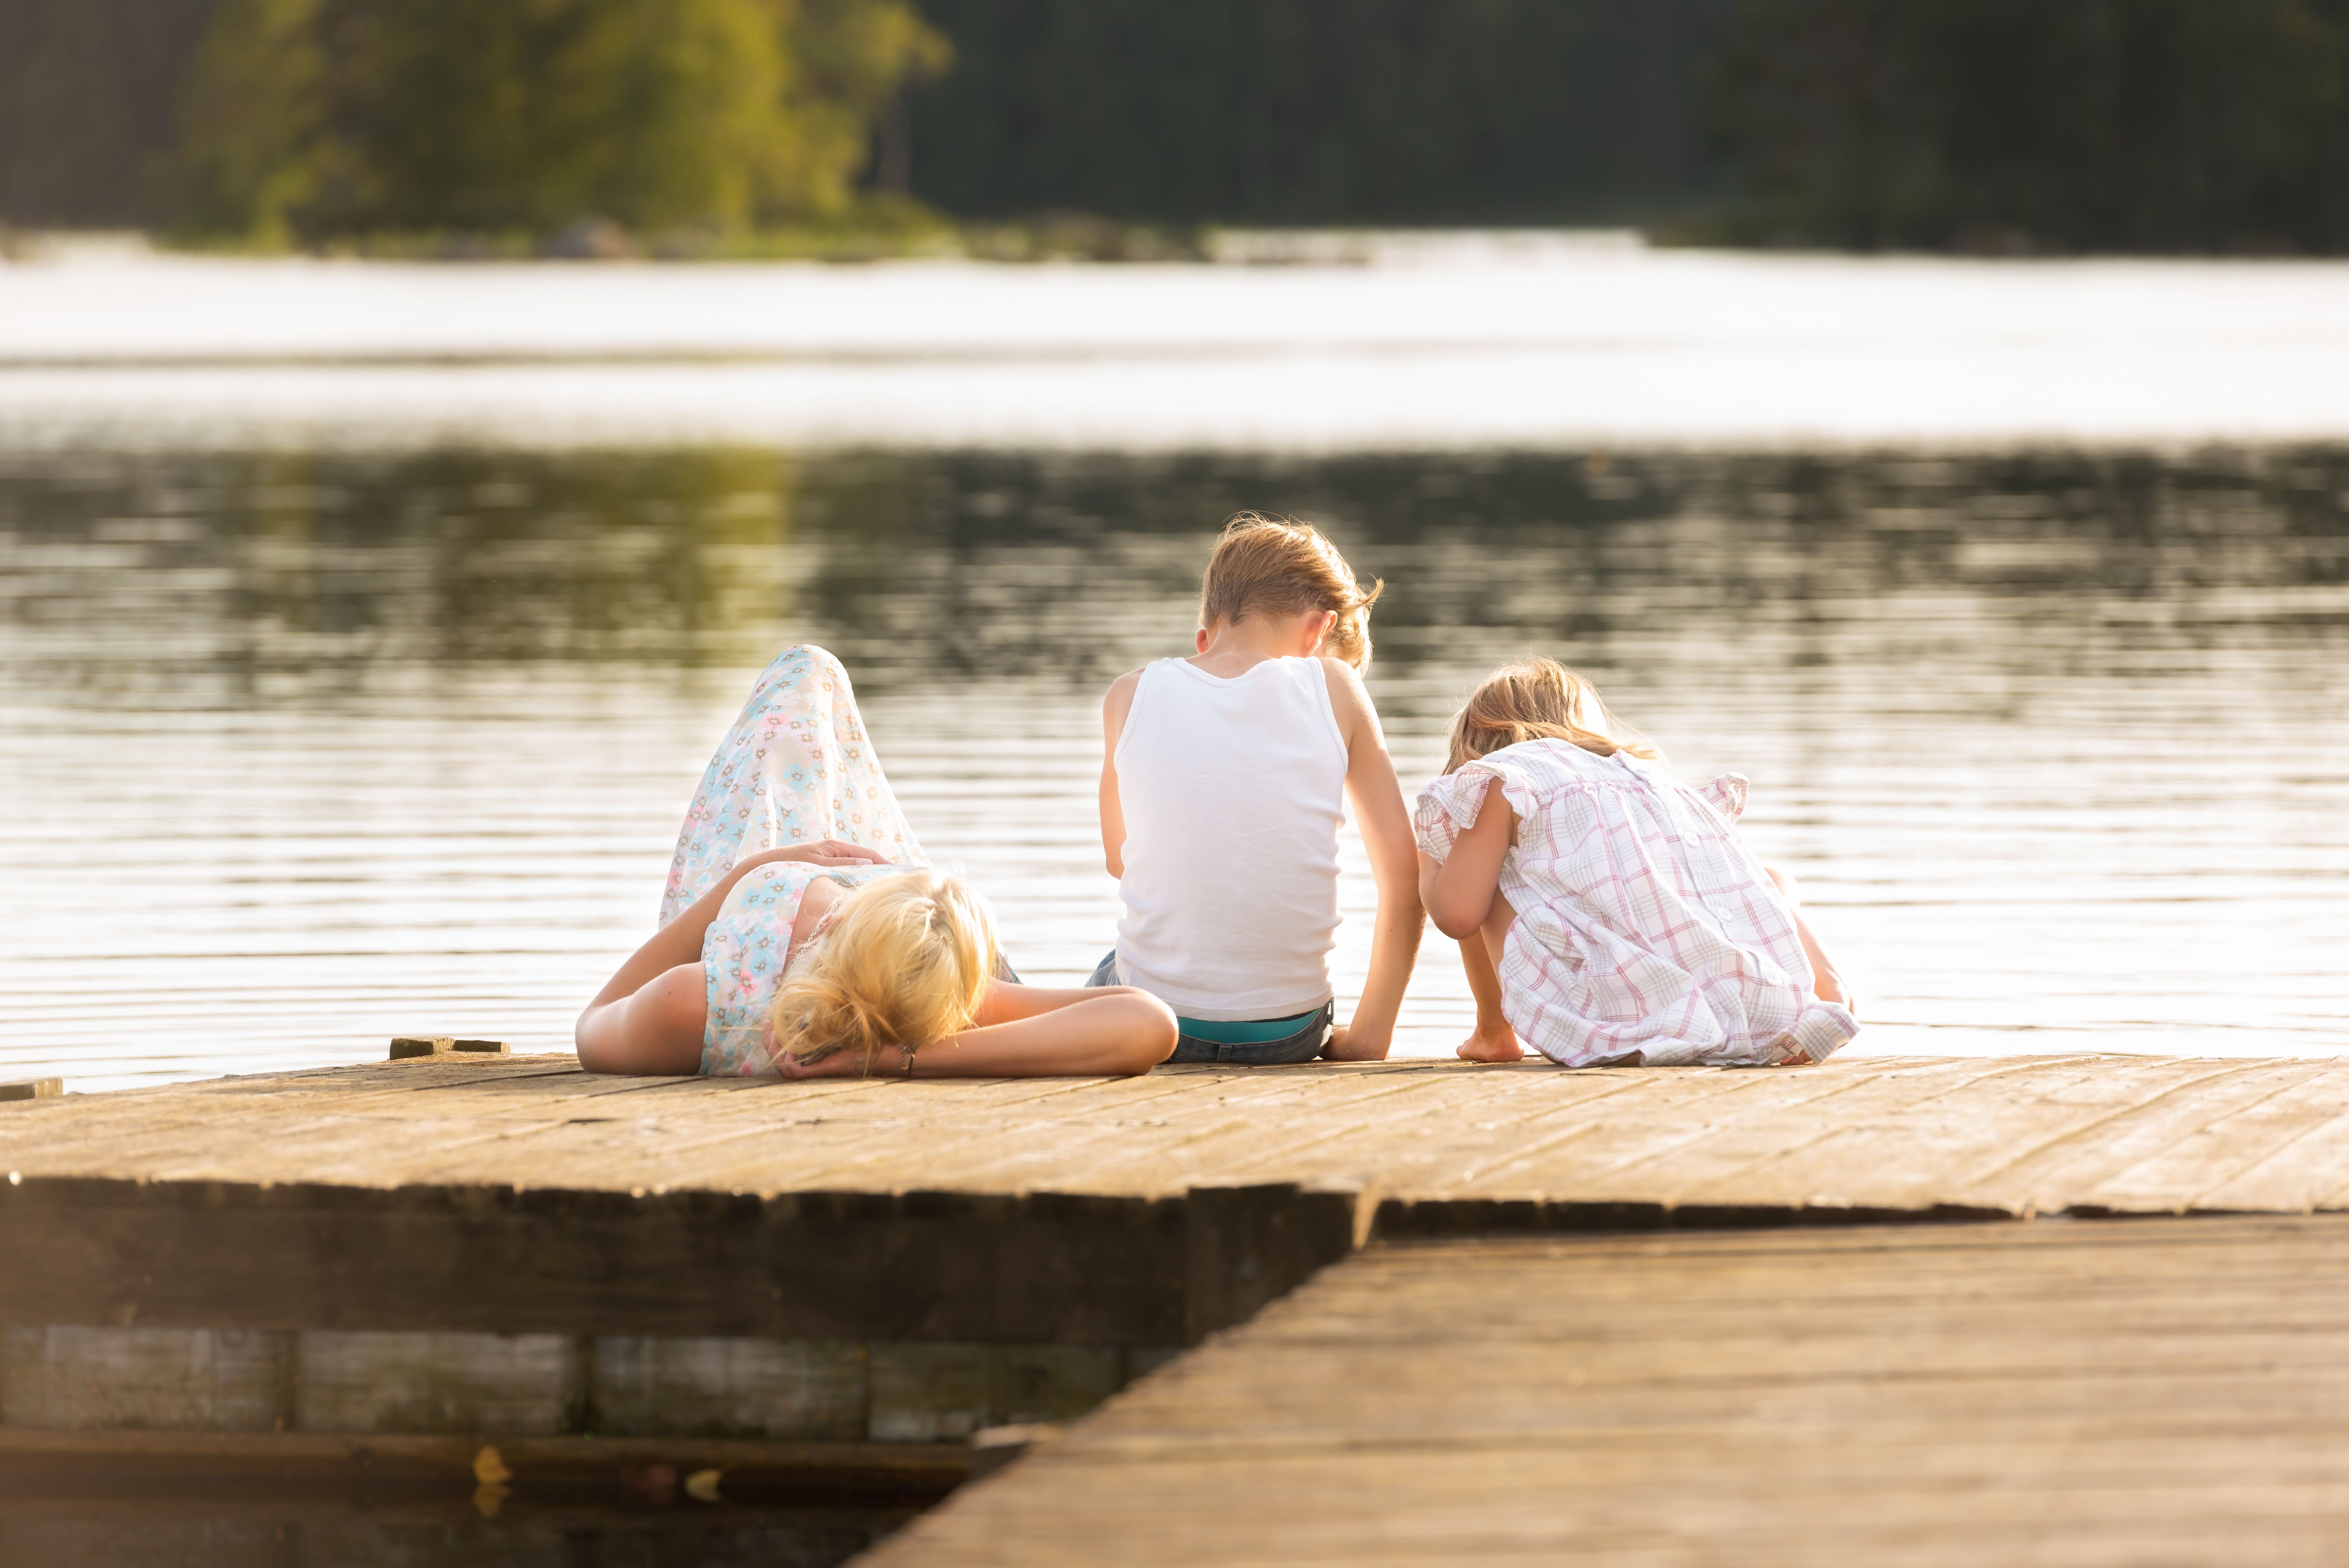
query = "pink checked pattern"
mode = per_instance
[{"x": 1646, "y": 934}]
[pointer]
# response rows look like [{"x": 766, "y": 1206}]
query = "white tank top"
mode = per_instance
[{"x": 1232, "y": 791}]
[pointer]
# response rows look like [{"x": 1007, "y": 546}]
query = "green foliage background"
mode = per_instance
[
  {"x": 300, "y": 119},
  {"x": 1322, "y": 111},
  {"x": 2106, "y": 125},
  {"x": 1999, "y": 124}
]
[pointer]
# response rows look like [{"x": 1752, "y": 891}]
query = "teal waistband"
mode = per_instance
[{"x": 1245, "y": 1031}]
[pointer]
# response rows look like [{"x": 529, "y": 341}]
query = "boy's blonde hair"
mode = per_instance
[
  {"x": 903, "y": 961},
  {"x": 1274, "y": 565},
  {"x": 1539, "y": 699}
]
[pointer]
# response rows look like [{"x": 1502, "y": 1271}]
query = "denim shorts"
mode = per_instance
[{"x": 1301, "y": 1047}]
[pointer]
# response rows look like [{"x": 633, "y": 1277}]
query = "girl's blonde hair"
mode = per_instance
[
  {"x": 1272, "y": 564},
  {"x": 1539, "y": 699},
  {"x": 901, "y": 961}
]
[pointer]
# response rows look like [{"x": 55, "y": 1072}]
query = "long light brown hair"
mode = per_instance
[
  {"x": 1539, "y": 699},
  {"x": 903, "y": 961},
  {"x": 1272, "y": 564}
]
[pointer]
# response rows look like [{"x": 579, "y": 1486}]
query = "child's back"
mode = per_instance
[
  {"x": 1225, "y": 783},
  {"x": 1232, "y": 790}
]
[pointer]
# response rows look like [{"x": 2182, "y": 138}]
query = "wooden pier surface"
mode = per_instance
[
  {"x": 2120, "y": 1134},
  {"x": 2160, "y": 1391},
  {"x": 517, "y": 1193},
  {"x": 1637, "y": 1316}
]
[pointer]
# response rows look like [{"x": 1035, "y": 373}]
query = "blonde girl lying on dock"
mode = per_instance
[
  {"x": 1607, "y": 913},
  {"x": 801, "y": 934}
]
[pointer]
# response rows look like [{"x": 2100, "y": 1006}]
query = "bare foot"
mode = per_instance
[{"x": 1492, "y": 1045}]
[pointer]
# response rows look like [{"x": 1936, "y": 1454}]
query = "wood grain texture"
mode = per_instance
[
  {"x": 2090, "y": 1393},
  {"x": 516, "y": 1194}
]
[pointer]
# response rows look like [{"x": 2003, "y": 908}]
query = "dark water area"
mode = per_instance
[
  {"x": 217, "y": 1523},
  {"x": 305, "y": 749}
]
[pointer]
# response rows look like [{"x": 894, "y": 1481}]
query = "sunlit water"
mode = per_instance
[
  {"x": 302, "y": 751},
  {"x": 1531, "y": 341}
]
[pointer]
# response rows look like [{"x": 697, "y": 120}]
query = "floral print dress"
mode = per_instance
[
  {"x": 797, "y": 767},
  {"x": 744, "y": 955}
]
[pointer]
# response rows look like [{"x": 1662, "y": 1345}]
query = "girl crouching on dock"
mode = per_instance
[
  {"x": 801, "y": 935},
  {"x": 1607, "y": 913}
]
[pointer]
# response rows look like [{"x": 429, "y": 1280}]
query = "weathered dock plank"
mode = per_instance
[
  {"x": 505, "y": 1194},
  {"x": 2013, "y": 1134},
  {"x": 2056, "y": 1393}
]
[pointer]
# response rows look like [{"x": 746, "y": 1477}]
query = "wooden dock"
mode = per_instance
[
  {"x": 400, "y": 1263},
  {"x": 2158, "y": 1391}
]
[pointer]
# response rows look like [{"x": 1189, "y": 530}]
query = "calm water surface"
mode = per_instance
[{"x": 300, "y": 751}]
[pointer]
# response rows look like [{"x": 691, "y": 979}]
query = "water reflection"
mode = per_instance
[
  {"x": 305, "y": 749},
  {"x": 223, "y": 1524}
]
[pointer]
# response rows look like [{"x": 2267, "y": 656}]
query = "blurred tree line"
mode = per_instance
[
  {"x": 2136, "y": 125},
  {"x": 2018, "y": 125},
  {"x": 1321, "y": 111},
  {"x": 303, "y": 120}
]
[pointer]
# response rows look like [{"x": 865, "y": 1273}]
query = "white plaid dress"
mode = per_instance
[{"x": 1646, "y": 934}]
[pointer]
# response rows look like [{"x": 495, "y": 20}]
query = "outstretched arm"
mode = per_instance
[
  {"x": 1029, "y": 1031},
  {"x": 1386, "y": 834}
]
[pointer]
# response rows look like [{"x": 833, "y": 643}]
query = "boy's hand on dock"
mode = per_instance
[{"x": 1349, "y": 1044}]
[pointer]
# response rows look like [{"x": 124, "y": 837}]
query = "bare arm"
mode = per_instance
[
  {"x": 1116, "y": 706},
  {"x": 1379, "y": 810},
  {"x": 1459, "y": 891},
  {"x": 1827, "y": 983},
  {"x": 652, "y": 1010},
  {"x": 1029, "y": 1031}
]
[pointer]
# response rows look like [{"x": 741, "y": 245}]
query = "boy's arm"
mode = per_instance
[
  {"x": 1379, "y": 810},
  {"x": 1116, "y": 706}
]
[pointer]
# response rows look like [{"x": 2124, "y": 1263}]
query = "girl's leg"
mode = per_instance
[
  {"x": 797, "y": 767},
  {"x": 1493, "y": 1040}
]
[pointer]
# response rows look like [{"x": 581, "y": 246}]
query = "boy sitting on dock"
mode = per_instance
[{"x": 1224, "y": 780}]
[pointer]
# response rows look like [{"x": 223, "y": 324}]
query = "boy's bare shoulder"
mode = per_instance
[
  {"x": 1118, "y": 701},
  {"x": 1350, "y": 700},
  {"x": 1345, "y": 682}
]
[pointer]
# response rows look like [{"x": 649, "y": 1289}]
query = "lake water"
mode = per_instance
[
  {"x": 1510, "y": 342},
  {"x": 308, "y": 744}
]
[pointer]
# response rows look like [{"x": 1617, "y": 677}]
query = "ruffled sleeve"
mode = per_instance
[
  {"x": 1726, "y": 795},
  {"x": 1450, "y": 806}
]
